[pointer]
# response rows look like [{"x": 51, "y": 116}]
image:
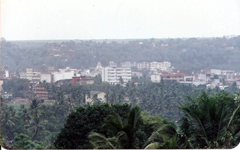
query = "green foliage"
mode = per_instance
[
  {"x": 22, "y": 141},
  {"x": 39, "y": 147},
  {"x": 133, "y": 132},
  {"x": 17, "y": 87},
  {"x": 37, "y": 122},
  {"x": 83, "y": 120},
  {"x": 166, "y": 137},
  {"x": 124, "y": 134},
  {"x": 219, "y": 53},
  {"x": 212, "y": 121}
]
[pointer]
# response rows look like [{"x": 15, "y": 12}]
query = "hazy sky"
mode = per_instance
[{"x": 118, "y": 19}]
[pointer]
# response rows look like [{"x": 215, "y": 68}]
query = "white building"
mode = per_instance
[
  {"x": 160, "y": 65},
  {"x": 29, "y": 74},
  {"x": 156, "y": 78},
  {"x": 1, "y": 83},
  {"x": 34, "y": 77},
  {"x": 126, "y": 64},
  {"x": 99, "y": 67},
  {"x": 46, "y": 77},
  {"x": 99, "y": 95},
  {"x": 64, "y": 74},
  {"x": 112, "y": 74},
  {"x": 22, "y": 75},
  {"x": 112, "y": 64},
  {"x": 179, "y": 77},
  {"x": 7, "y": 75},
  {"x": 216, "y": 71}
]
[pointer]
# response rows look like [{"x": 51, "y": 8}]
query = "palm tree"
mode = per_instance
[
  {"x": 36, "y": 127},
  {"x": 8, "y": 120},
  {"x": 121, "y": 135},
  {"x": 213, "y": 120},
  {"x": 99, "y": 141},
  {"x": 24, "y": 115},
  {"x": 166, "y": 137}
]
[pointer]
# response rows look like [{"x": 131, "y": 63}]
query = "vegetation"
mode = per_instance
[
  {"x": 208, "y": 120},
  {"x": 81, "y": 121},
  {"x": 212, "y": 121},
  {"x": 17, "y": 87},
  {"x": 122, "y": 136},
  {"x": 219, "y": 53}
]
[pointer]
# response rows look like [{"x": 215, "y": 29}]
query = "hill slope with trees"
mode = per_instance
[{"x": 190, "y": 54}]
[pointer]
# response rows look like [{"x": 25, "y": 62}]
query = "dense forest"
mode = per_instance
[
  {"x": 189, "y": 54},
  {"x": 150, "y": 115}
]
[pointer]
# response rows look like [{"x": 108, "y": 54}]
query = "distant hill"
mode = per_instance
[{"x": 192, "y": 53}]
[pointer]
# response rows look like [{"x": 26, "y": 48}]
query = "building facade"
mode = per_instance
[
  {"x": 160, "y": 65},
  {"x": 113, "y": 75},
  {"x": 41, "y": 92}
]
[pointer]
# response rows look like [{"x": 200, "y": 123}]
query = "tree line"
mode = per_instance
[{"x": 188, "y": 54}]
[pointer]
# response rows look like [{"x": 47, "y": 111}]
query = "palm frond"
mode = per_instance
[
  {"x": 233, "y": 116},
  {"x": 195, "y": 120},
  {"x": 168, "y": 130},
  {"x": 154, "y": 145},
  {"x": 134, "y": 116},
  {"x": 123, "y": 139},
  {"x": 113, "y": 123},
  {"x": 155, "y": 137},
  {"x": 99, "y": 140}
]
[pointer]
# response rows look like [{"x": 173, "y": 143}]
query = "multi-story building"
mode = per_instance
[
  {"x": 34, "y": 77},
  {"x": 160, "y": 65},
  {"x": 144, "y": 65},
  {"x": 29, "y": 73},
  {"x": 113, "y": 75},
  {"x": 179, "y": 77},
  {"x": 41, "y": 92}
]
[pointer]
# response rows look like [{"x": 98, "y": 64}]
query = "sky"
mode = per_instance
[{"x": 118, "y": 19}]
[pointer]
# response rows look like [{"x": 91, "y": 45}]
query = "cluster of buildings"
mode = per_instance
[
  {"x": 164, "y": 66},
  {"x": 210, "y": 77},
  {"x": 115, "y": 75},
  {"x": 112, "y": 73},
  {"x": 122, "y": 74}
]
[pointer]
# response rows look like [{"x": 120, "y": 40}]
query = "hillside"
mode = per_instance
[{"x": 190, "y": 54}]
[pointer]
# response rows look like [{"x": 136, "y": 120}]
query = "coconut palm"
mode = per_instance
[
  {"x": 121, "y": 135},
  {"x": 213, "y": 120},
  {"x": 99, "y": 141},
  {"x": 166, "y": 137},
  {"x": 8, "y": 121},
  {"x": 24, "y": 115},
  {"x": 36, "y": 127}
]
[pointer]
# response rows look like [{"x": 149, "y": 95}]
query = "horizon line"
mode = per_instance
[{"x": 88, "y": 39}]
